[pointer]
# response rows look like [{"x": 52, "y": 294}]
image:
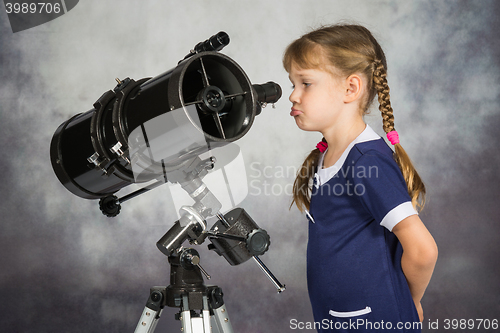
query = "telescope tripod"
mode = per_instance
[{"x": 198, "y": 303}]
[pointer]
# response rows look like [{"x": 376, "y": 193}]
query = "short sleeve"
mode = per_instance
[{"x": 381, "y": 188}]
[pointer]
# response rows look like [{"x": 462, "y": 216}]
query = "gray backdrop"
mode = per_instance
[{"x": 64, "y": 267}]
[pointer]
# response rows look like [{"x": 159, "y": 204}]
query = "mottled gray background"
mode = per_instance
[{"x": 66, "y": 268}]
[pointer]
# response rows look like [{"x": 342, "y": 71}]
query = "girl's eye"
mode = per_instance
[{"x": 305, "y": 84}]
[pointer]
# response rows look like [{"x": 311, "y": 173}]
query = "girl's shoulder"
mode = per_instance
[
  {"x": 374, "y": 154},
  {"x": 374, "y": 148}
]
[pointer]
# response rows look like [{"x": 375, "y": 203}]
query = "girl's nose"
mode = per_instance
[{"x": 294, "y": 96}]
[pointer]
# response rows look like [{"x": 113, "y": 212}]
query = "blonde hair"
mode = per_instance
[{"x": 350, "y": 49}]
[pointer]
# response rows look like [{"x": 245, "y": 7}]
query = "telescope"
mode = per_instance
[{"x": 156, "y": 130}]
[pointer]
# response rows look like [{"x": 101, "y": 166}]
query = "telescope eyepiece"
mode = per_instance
[
  {"x": 215, "y": 43},
  {"x": 269, "y": 92}
]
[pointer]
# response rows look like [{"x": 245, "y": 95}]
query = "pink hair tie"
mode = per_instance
[
  {"x": 393, "y": 137},
  {"x": 322, "y": 146}
]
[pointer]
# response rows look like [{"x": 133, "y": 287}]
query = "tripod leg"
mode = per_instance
[
  {"x": 186, "y": 316},
  {"x": 206, "y": 315},
  {"x": 222, "y": 320},
  {"x": 216, "y": 299},
  {"x": 151, "y": 314},
  {"x": 191, "y": 324},
  {"x": 148, "y": 321}
]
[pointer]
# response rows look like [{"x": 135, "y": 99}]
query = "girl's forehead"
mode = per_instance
[
  {"x": 295, "y": 70},
  {"x": 299, "y": 72},
  {"x": 311, "y": 57}
]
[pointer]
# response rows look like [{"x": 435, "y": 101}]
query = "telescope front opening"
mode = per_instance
[{"x": 222, "y": 95}]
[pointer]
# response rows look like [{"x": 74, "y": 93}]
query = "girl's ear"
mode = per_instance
[{"x": 353, "y": 88}]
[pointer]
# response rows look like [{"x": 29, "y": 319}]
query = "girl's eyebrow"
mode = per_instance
[{"x": 303, "y": 75}]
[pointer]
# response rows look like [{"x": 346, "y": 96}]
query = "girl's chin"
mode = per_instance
[{"x": 303, "y": 126}]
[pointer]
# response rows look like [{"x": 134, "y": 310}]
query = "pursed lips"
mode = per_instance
[{"x": 295, "y": 112}]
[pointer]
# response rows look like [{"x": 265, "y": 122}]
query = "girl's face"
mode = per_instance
[{"x": 317, "y": 98}]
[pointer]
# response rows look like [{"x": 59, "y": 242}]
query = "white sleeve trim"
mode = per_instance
[{"x": 398, "y": 214}]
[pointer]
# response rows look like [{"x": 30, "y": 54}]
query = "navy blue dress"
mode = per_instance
[{"x": 354, "y": 274}]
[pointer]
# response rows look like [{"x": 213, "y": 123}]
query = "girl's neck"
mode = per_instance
[{"x": 339, "y": 138}]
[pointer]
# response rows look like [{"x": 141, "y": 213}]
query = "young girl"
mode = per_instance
[{"x": 369, "y": 256}]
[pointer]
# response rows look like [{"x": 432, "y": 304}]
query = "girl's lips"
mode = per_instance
[{"x": 295, "y": 112}]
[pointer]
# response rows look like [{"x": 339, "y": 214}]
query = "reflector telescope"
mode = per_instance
[{"x": 142, "y": 130}]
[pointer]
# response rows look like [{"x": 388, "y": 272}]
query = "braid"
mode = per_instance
[
  {"x": 302, "y": 185},
  {"x": 416, "y": 188},
  {"x": 380, "y": 84}
]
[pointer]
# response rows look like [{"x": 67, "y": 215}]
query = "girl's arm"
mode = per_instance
[{"x": 419, "y": 256}]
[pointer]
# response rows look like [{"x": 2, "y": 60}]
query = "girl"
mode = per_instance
[{"x": 369, "y": 256}]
